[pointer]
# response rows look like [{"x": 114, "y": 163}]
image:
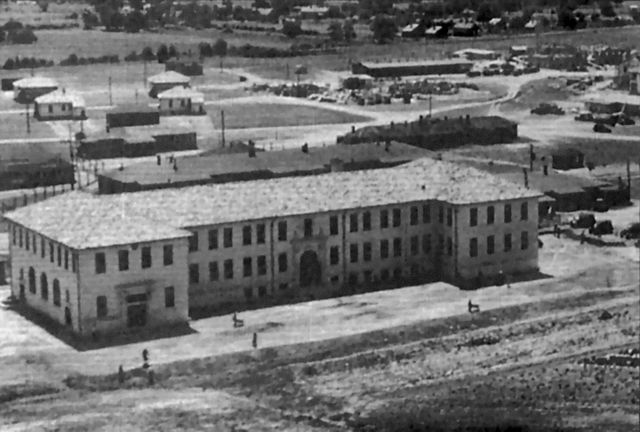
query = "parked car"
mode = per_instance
[
  {"x": 474, "y": 73},
  {"x": 625, "y": 120},
  {"x": 631, "y": 232},
  {"x": 601, "y": 128},
  {"x": 606, "y": 119},
  {"x": 583, "y": 220},
  {"x": 584, "y": 116},
  {"x": 601, "y": 228},
  {"x": 546, "y": 108},
  {"x": 600, "y": 205}
]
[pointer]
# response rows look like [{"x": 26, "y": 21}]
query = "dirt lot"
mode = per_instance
[{"x": 417, "y": 365}]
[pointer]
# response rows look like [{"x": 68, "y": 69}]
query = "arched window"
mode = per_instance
[
  {"x": 56, "y": 292},
  {"x": 32, "y": 280},
  {"x": 44, "y": 287}
]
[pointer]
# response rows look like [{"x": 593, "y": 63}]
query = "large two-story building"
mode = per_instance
[{"x": 112, "y": 262}]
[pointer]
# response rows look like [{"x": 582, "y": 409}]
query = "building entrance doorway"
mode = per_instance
[
  {"x": 309, "y": 269},
  {"x": 137, "y": 315}
]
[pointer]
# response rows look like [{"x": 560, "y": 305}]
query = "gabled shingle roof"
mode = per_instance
[
  {"x": 82, "y": 220},
  {"x": 35, "y": 82},
  {"x": 59, "y": 96}
]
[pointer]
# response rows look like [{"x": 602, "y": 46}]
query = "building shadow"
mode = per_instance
[
  {"x": 594, "y": 240},
  {"x": 96, "y": 340},
  {"x": 484, "y": 281}
]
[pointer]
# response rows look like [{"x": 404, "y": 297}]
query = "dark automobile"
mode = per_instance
[
  {"x": 474, "y": 73},
  {"x": 601, "y": 228},
  {"x": 631, "y": 232},
  {"x": 546, "y": 108},
  {"x": 584, "y": 116},
  {"x": 600, "y": 205},
  {"x": 583, "y": 220},
  {"x": 601, "y": 128},
  {"x": 625, "y": 121}
]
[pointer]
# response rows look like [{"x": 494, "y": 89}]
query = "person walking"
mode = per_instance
[{"x": 255, "y": 340}]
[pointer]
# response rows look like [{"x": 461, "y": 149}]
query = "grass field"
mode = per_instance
[
  {"x": 15, "y": 126},
  {"x": 30, "y": 13},
  {"x": 258, "y": 115}
]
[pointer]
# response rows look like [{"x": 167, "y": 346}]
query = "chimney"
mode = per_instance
[
  {"x": 158, "y": 160},
  {"x": 252, "y": 149},
  {"x": 305, "y": 148},
  {"x": 526, "y": 178}
]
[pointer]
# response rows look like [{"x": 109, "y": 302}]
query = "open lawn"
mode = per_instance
[
  {"x": 15, "y": 126},
  {"x": 258, "y": 115}
]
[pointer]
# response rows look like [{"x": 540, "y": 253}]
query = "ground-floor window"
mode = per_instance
[
  {"x": 101, "y": 306},
  {"x": 384, "y": 274},
  {"x": 262, "y": 291},
  {"x": 169, "y": 297},
  {"x": 353, "y": 279},
  {"x": 248, "y": 293},
  {"x": 284, "y": 286}
]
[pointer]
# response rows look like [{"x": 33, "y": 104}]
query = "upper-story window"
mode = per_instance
[
  {"x": 123, "y": 260},
  {"x": 491, "y": 215},
  {"x": 227, "y": 240},
  {"x": 384, "y": 219},
  {"x": 193, "y": 242},
  {"x": 449, "y": 216},
  {"x": 426, "y": 213},
  {"x": 473, "y": 216},
  {"x": 524, "y": 211},
  {"x": 260, "y": 233},
  {"x": 333, "y": 225},
  {"x": 507, "y": 213},
  {"x": 167, "y": 255},
  {"x": 145, "y": 257},
  {"x": 213, "y": 239},
  {"x": 353, "y": 222},
  {"x": 282, "y": 231},
  {"x": 413, "y": 215},
  {"x": 440, "y": 214},
  {"x": 246, "y": 235},
  {"x": 366, "y": 221},
  {"x": 308, "y": 227},
  {"x": 100, "y": 261},
  {"x": 397, "y": 217}
]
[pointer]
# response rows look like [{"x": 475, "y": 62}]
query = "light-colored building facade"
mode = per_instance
[
  {"x": 181, "y": 101},
  {"x": 304, "y": 236},
  {"x": 60, "y": 105}
]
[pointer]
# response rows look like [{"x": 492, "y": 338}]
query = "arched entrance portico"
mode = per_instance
[{"x": 310, "y": 271}]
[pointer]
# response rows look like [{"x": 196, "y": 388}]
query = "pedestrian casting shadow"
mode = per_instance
[{"x": 94, "y": 341}]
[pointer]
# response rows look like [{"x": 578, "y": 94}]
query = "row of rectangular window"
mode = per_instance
[
  {"x": 123, "y": 259},
  {"x": 507, "y": 243},
  {"x": 30, "y": 243},
  {"x": 473, "y": 214},
  {"x": 227, "y": 236},
  {"x": 228, "y": 272}
]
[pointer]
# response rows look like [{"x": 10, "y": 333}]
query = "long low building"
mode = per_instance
[
  {"x": 254, "y": 165},
  {"x": 423, "y": 67},
  {"x": 119, "y": 262}
]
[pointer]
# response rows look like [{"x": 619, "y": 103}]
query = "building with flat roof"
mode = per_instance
[
  {"x": 119, "y": 262},
  {"x": 252, "y": 165},
  {"x": 60, "y": 105},
  {"x": 423, "y": 67}
]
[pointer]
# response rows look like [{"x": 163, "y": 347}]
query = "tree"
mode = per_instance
[
  {"x": 147, "y": 54},
  {"x": 383, "y": 28},
  {"x": 21, "y": 36},
  {"x": 219, "y": 48},
  {"x": 9, "y": 64},
  {"x": 348, "y": 31},
  {"x": 134, "y": 22},
  {"x": 606, "y": 9},
  {"x": 291, "y": 29},
  {"x": 567, "y": 19},
  {"x": 335, "y": 32},
  {"x": 89, "y": 19},
  {"x": 205, "y": 49},
  {"x": 485, "y": 12},
  {"x": 44, "y": 5},
  {"x": 173, "y": 52},
  {"x": 162, "y": 54}
]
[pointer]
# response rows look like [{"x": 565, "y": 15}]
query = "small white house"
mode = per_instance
[
  {"x": 167, "y": 80},
  {"x": 181, "y": 101},
  {"x": 60, "y": 105}
]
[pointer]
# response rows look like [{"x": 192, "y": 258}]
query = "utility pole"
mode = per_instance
[
  {"x": 27, "y": 115},
  {"x": 222, "y": 125},
  {"x": 629, "y": 175},
  {"x": 430, "y": 105},
  {"x": 144, "y": 74},
  {"x": 110, "y": 96}
]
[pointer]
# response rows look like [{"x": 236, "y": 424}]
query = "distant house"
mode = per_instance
[
  {"x": 477, "y": 54},
  {"x": 413, "y": 31},
  {"x": 436, "y": 32},
  {"x": 466, "y": 29},
  {"x": 311, "y": 12},
  {"x": 566, "y": 159},
  {"x": 132, "y": 115},
  {"x": 27, "y": 90},
  {"x": 181, "y": 101},
  {"x": 188, "y": 67},
  {"x": 518, "y": 50},
  {"x": 165, "y": 81},
  {"x": 60, "y": 105}
]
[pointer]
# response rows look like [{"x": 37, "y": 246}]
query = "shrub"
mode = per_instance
[
  {"x": 9, "y": 64},
  {"x": 22, "y": 36},
  {"x": 147, "y": 54},
  {"x": 12, "y": 25},
  {"x": 291, "y": 29},
  {"x": 132, "y": 56}
]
